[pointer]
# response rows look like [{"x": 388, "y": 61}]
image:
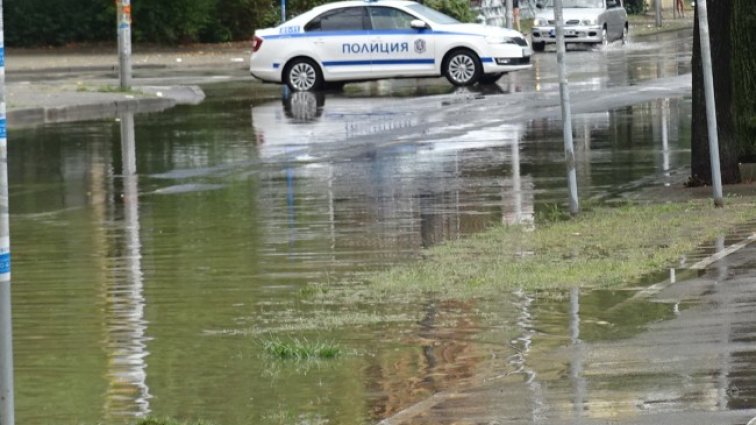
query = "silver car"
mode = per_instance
[{"x": 596, "y": 22}]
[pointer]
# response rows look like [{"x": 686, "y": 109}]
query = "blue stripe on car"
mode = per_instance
[
  {"x": 380, "y": 62},
  {"x": 385, "y": 62}
]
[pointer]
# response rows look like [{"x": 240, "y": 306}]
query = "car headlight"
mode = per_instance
[
  {"x": 537, "y": 22},
  {"x": 499, "y": 39},
  {"x": 590, "y": 22}
]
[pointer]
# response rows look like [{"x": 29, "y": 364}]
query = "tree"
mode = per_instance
[
  {"x": 721, "y": 57},
  {"x": 731, "y": 24},
  {"x": 744, "y": 76}
]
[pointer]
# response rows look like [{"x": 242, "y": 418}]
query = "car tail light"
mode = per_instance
[{"x": 256, "y": 43}]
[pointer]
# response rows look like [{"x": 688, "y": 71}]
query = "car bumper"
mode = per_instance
[
  {"x": 268, "y": 72},
  {"x": 578, "y": 34},
  {"x": 507, "y": 58}
]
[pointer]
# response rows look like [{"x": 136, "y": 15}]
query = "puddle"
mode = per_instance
[{"x": 129, "y": 305}]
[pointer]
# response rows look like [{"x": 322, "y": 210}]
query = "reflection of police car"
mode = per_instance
[
  {"x": 354, "y": 41},
  {"x": 307, "y": 124}
]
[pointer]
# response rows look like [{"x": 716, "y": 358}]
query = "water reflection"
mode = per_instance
[
  {"x": 292, "y": 208},
  {"x": 127, "y": 394},
  {"x": 430, "y": 208}
]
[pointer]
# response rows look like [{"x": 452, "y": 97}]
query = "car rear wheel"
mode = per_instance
[
  {"x": 302, "y": 74},
  {"x": 625, "y": 35},
  {"x": 462, "y": 67}
]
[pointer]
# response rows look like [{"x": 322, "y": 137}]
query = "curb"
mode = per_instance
[
  {"x": 164, "y": 98},
  {"x": 74, "y": 69}
]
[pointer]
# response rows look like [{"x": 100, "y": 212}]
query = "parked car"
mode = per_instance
[
  {"x": 346, "y": 41},
  {"x": 597, "y": 22}
]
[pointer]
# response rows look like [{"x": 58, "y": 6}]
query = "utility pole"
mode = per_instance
[
  {"x": 509, "y": 5},
  {"x": 283, "y": 11},
  {"x": 123, "y": 12},
  {"x": 7, "y": 409},
  {"x": 658, "y": 13},
  {"x": 711, "y": 108},
  {"x": 564, "y": 93}
]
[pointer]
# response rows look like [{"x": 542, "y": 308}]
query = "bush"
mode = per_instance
[
  {"x": 635, "y": 7},
  {"x": 49, "y": 22},
  {"x": 60, "y": 22},
  {"x": 459, "y": 9}
]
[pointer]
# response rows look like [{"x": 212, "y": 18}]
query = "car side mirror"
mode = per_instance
[{"x": 418, "y": 24}]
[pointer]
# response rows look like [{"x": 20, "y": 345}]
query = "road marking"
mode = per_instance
[{"x": 706, "y": 262}]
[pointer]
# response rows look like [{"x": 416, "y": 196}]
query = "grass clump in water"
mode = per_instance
[
  {"x": 301, "y": 349},
  {"x": 603, "y": 247}
]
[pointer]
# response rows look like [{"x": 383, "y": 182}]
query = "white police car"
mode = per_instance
[{"x": 357, "y": 40}]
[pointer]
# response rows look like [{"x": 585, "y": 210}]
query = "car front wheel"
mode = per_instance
[
  {"x": 539, "y": 46},
  {"x": 302, "y": 74},
  {"x": 625, "y": 35},
  {"x": 462, "y": 67}
]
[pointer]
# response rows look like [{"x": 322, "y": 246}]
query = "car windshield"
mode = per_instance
[
  {"x": 577, "y": 3},
  {"x": 432, "y": 15}
]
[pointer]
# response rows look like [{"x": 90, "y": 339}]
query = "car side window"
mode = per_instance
[
  {"x": 389, "y": 18},
  {"x": 343, "y": 19},
  {"x": 611, "y": 4}
]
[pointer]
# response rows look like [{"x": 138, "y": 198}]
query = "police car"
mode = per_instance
[{"x": 365, "y": 40}]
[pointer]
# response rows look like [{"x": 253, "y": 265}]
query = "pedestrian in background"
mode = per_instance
[
  {"x": 516, "y": 13},
  {"x": 680, "y": 8}
]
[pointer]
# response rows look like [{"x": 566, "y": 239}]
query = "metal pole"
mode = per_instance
[
  {"x": 510, "y": 13},
  {"x": 283, "y": 11},
  {"x": 6, "y": 329},
  {"x": 564, "y": 93},
  {"x": 124, "y": 42},
  {"x": 711, "y": 108},
  {"x": 658, "y": 13}
]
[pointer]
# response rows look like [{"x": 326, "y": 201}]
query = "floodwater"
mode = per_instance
[{"x": 152, "y": 255}]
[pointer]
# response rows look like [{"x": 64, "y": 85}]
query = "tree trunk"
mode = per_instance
[
  {"x": 720, "y": 13},
  {"x": 744, "y": 77}
]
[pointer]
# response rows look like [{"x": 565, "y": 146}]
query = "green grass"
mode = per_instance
[
  {"x": 301, "y": 349},
  {"x": 106, "y": 89},
  {"x": 604, "y": 247},
  {"x": 169, "y": 421}
]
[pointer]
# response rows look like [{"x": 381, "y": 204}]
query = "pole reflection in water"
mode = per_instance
[
  {"x": 522, "y": 209},
  {"x": 127, "y": 394},
  {"x": 576, "y": 366},
  {"x": 723, "y": 377},
  {"x": 525, "y": 322},
  {"x": 665, "y": 139}
]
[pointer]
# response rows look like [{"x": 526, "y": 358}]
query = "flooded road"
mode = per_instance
[{"x": 154, "y": 254}]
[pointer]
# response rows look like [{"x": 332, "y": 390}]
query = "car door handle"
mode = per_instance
[{"x": 319, "y": 41}]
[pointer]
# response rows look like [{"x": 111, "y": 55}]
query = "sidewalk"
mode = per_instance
[{"x": 67, "y": 84}]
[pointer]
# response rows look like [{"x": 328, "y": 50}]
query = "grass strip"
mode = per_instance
[
  {"x": 603, "y": 247},
  {"x": 168, "y": 421}
]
